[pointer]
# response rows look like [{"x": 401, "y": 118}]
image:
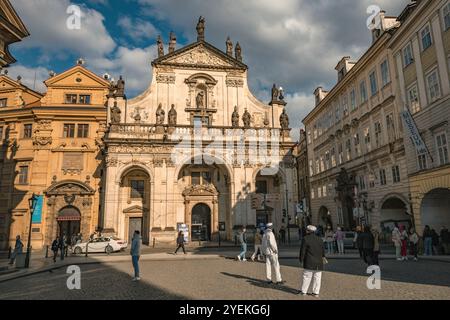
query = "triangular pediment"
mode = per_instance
[
  {"x": 134, "y": 209},
  {"x": 77, "y": 76},
  {"x": 7, "y": 10},
  {"x": 7, "y": 84},
  {"x": 201, "y": 55}
]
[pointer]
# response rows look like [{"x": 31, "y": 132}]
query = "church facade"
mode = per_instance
[{"x": 197, "y": 150}]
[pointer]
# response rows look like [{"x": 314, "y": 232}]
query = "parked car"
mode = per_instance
[
  {"x": 123, "y": 244},
  {"x": 106, "y": 245}
]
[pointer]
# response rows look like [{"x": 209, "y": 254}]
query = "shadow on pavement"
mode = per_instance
[{"x": 261, "y": 283}]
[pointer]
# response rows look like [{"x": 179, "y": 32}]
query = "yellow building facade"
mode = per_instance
[{"x": 52, "y": 148}]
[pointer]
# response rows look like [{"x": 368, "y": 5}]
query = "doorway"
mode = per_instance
[
  {"x": 68, "y": 222},
  {"x": 133, "y": 225},
  {"x": 201, "y": 223}
]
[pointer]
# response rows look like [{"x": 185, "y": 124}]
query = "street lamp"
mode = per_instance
[{"x": 31, "y": 202}]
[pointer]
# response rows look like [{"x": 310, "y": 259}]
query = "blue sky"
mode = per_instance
[{"x": 295, "y": 43}]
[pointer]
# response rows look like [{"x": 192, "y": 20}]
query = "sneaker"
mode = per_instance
[
  {"x": 300, "y": 292},
  {"x": 244, "y": 259},
  {"x": 415, "y": 259},
  {"x": 239, "y": 258},
  {"x": 253, "y": 259},
  {"x": 315, "y": 295},
  {"x": 280, "y": 282},
  {"x": 399, "y": 259}
]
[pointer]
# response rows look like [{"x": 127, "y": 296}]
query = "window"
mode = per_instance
[
  {"x": 407, "y": 55},
  {"x": 309, "y": 137},
  {"x": 367, "y": 139},
  {"x": 434, "y": 90},
  {"x": 383, "y": 177},
  {"x": 345, "y": 105},
  {"x": 206, "y": 177},
  {"x": 324, "y": 191},
  {"x": 71, "y": 98},
  {"x": 338, "y": 112},
  {"x": 356, "y": 143},
  {"x": 425, "y": 35},
  {"x": 317, "y": 166},
  {"x": 352, "y": 99},
  {"x": 200, "y": 177},
  {"x": 319, "y": 192},
  {"x": 413, "y": 100},
  {"x": 23, "y": 175},
  {"x": 83, "y": 131},
  {"x": 373, "y": 83},
  {"x": 137, "y": 189},
  {"x": 315, "y": 131},
  {"x": 1, "y": 133},
  {"x": 261, "y": 186},
  {"x": 327, "y": 160},
  {"x": 27, "y": 131},
  {"x": 441, "y": 142},
  {"x": 69, "y": 130},
  {"x": 322, "y": 164},
  {"x": 385, "y": 77},
  {"x": 84, "y": 99},
  {"x": 446, "y": 14},
  {"x": 363, "y": 91},
  {"x": 341, "y": 154},
  {"x": 311, "y": 168},
  {"x": 362, "y": 182},
  {"x": 422, "y": 161},
  {"x": 378, "y": 138},
  {"x": 395, "y": 174},
  {"x": 333, "y": 158},
  {"x": 390, "y": 127},
  {"x": 348, "y": 148},
  {"x": 195, "y": 178},
  {"x": 3, "y": 102},
  {"x": 312, "y": 194}
]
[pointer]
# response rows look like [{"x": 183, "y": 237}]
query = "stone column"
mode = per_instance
[
  {"x": 215, "y": 222},
  {"x": 187, "y": 215}
]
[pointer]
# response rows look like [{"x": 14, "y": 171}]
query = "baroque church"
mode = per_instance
[{"x": 196, "y": 150}]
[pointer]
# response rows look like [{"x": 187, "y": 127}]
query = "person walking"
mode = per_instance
[
  {"x": 396, "y": 239},
  {"x": 445, "y": 240},
  {"x": 180, "y": 242},
  {"x": 368, "y": 243},
  {"x": 357, "y": 241},
  {"x": 376, "y": 246},
  {"x": 427, "y": 241},
  {"x": 329, "y": 239},
  {"x": 258, "y": 241},
  {"x": 135, "y": 252},
  {"x": 270, "y": 250},
  {"x": 62, "y": 246},
  {"x": 340, "y": 240},
  {"x": 18, "y": 249},
  {"x": 413, "y": 242},
  {"x": 243, "y": 243},
  {"x": 312, "y": 256},
  {"x": 404, "y": 243},
  {"x": 55, "y": 248}
]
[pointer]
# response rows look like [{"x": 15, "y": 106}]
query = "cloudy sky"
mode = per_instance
[{"x": 294, "y": 43}]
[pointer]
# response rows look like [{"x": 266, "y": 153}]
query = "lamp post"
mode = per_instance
[{"x": 31, "y": 206}]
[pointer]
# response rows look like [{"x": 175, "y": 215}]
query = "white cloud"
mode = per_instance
[
  {"x": 33, "y": 78},
  {"x": 137, "y": 29},
  {"x": 47, "y": 22}
]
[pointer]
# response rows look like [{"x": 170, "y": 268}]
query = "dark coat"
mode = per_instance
[
  {"x": 312, "y": 252},
  {"x": 180, "y": 239},
  {"x": 367, "y": 240}
]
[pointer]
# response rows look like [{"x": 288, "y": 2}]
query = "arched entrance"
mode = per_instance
[
  {"x": 435, "y": 209},
  {"x": 69, "y": 219},
  {"x": 393, "y": 211},
  {"x": 201, "y": 223},
  {"x": 325, "y": 217}
]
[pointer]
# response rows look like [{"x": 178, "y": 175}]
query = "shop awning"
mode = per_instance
[{"x": 69, "y": 214}]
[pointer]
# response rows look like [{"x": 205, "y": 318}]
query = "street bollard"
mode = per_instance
[
  {"x": 154, "y": 242},
  {"x": 9, "y": 253},
  {"x": 46, "y": 252}
]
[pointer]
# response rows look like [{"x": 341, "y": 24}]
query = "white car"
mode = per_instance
[
  {"x": 123, "y": 244},
  {"x": 106, "y": 245}
]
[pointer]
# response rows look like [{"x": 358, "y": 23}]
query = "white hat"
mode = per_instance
[
  {"x": 311, "y": 228},
  {"x": 269, "y": 225}
]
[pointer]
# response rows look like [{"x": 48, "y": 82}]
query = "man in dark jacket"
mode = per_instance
[
  {"x": 312, "y": 256},
  {"x": 367, "y": 244}
]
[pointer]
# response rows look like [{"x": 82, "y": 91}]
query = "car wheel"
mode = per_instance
[
  {"x": 109, "y": 249},
  {"x": 78, "y": 250}
]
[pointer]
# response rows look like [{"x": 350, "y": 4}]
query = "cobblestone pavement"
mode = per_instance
[{"x": 229, "y": 279}]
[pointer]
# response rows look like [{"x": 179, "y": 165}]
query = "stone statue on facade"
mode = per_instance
[
  {"x": 172, "y": 42},
  {"x": 160, "y": 44},
  {"x": 238, "y": 52},
  {"x": 284, "y": 120},
  {"x": 235, "y": 117},
  {"x": 160, "y": 115},
  {"x": 201, "y": 29},
  {"x": 120, "y": 87},
  {"x": 246, "y": 119},
  {"x": 115, "y": 114},
  {"x": 275, "y": 93},
  {"x": 172, "y": 116},
  {"x": 229, "y": 47},
  {"x": 200, "y": 100}
]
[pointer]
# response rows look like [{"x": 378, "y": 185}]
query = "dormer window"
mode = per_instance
[
  {"x": 3, "y": 102},
  {"x": 71, "y": 98},
  {"x": 84, "y": 99},
  {"x": 341, "y": 74}
]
